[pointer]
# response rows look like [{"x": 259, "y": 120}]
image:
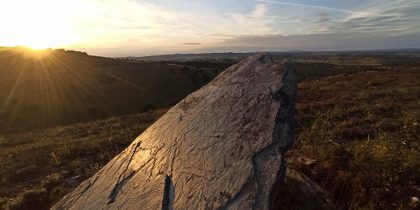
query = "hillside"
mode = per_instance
[{"x": 41, "y": 89}]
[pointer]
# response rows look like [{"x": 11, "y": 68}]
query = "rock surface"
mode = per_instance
[{"x": 222, "y": 147}]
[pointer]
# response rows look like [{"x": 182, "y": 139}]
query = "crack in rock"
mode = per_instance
[
  {"x": 168, "y": 194},
  {"x": 122, "y": 180}
]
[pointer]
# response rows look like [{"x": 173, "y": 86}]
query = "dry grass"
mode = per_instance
[
  {"x": 39, "y": 168},
  {"x": 358, "y": 137}
]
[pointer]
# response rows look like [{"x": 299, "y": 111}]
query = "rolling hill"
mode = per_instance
[{"x": 40, "y": 89}]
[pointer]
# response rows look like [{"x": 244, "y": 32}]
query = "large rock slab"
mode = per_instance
[{"x": 222, "y": 147}]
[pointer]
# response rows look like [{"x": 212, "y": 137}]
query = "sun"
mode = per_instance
[
  {"x": 43, "y": 40},
  {"x": 38, "y": 24}
]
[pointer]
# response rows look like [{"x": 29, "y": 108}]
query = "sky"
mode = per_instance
[{"x": 151, "y": 27}]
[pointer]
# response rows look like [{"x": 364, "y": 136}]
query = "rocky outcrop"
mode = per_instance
[{"x": 222, "y": 147}]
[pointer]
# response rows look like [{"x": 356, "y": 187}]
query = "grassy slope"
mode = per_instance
[
  {"x": 40, "y": 167},
  {"x": 61, "y": 87}
]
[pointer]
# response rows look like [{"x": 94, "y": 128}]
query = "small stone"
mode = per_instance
[{"x": 414, "y": 202}]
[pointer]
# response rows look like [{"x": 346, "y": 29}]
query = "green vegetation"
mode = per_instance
[{"x": 357, "y": 136}]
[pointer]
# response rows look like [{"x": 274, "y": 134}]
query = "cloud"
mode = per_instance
[
  {"x": 161, "y": 26},
  {"x": 141, "y": 27},
  {"x": 330, "y": 41},
  {"x": 322, "y": 18},
  {"x": 191, "y": 43},
  {"x": 392, "y": 17},
  {"x": 307, "y": 6},
  {"x": 259, "y": 11},
  {"x": 401, "y": 16}
]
